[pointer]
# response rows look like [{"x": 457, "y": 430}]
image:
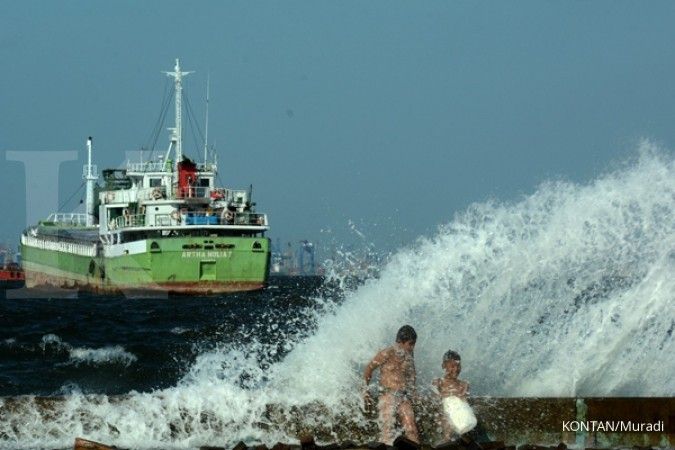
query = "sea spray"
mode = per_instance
[{"x": 568, "y": 291}]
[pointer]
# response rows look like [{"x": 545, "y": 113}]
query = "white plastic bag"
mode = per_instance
[{"x": 459, "y": 414}]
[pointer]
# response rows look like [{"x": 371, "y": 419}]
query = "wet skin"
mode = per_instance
[{"x": 397, "y": 386}]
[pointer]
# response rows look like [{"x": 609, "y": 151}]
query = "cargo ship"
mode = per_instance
[{"x": 157, "y": 225}]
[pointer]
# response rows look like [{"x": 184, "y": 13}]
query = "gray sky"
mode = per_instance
[{"x": 391, "y": 114}]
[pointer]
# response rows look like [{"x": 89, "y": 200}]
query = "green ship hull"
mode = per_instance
[{"x": 175, "y": 265}]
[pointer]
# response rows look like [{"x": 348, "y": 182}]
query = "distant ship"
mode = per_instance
[
  {"x": 11, "y": 275},
  {"x": 159, "y": 225}
]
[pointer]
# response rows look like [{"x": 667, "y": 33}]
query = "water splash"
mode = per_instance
[
  {"x": 569, "y": 291},
  {"x": 566, "y": 292}
]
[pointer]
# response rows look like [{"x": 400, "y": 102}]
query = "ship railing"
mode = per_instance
[
  {"x": 165, "y": 220},
  {"x": 207, "y": 167},
  {"x": 59, "y": 246},
  {"x": 129, "y": 221},
  {"x": 78, "y": 219},
  {"x": 140, "y": 220},
  {"x": 152, "y": 193},
  {"x": 248, "y": 218},
  {"x": 237, "y": 196},
  {"x": 193, "y": 192},
  {"x": 133, "y": 195},
  {"x": 119, "y": 196},
  {"x": 189, "y": 219},
  {"x": 149, "y": 166},
  {"x": 208, "y": 217}
]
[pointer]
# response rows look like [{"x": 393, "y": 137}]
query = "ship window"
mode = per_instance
[
  {"x": 204, "y": 182},
  {"x": 155, "y": 182}
]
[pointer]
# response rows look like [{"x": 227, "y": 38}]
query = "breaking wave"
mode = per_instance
[
  {"x": 566, "y": 292},
  {"x": 53, "y": 346}
]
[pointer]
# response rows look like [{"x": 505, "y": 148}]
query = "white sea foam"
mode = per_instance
[
  {"x": 112, "y": 354},
  {"x": 51, "y": 340},
  {"x": 69, "y": 388},
  {"x": 569, "y": 291}
]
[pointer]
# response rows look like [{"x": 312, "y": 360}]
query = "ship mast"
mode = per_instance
[
  {"x": 90, "y": 175},
  {"x": 177, "y": 136},
  {"x": 206, "y": 132}
]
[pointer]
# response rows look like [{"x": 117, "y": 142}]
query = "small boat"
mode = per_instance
[{"x": 11, "y": 274}]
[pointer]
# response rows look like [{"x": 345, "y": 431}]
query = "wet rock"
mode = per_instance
[
  {"x": 84, "y": 444},
  {"x": 281, "y": 446},
  {"x": 403, "y": 443},
  {"x": 495, "y": 445},
  {"x": 376, "y": 446},
  {"x": 307, "y": 442},
  {"x": 329, "y": 447},
  {"x": 450, "y": 445}
]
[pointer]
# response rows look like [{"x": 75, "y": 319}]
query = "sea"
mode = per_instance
[{"x": 568, "y": 291}]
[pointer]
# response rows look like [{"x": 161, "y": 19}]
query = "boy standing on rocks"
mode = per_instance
[{"x": 397, "y": 385}]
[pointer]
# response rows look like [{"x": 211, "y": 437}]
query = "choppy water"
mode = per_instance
[
  {"x": 112, "y": 345},
  {"x": 568, "y": 291}
]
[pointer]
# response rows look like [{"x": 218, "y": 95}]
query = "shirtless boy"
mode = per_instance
[
  {"x": 450, "y": 385},
  {"x": 397, "y": 385}
]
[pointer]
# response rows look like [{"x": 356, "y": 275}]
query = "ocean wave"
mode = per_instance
[
  {"x": 52, "y": 344},
  {"x": 115, "y": 354}
]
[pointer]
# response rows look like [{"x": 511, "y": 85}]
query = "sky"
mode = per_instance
[{"x": 356, "y": 122}]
